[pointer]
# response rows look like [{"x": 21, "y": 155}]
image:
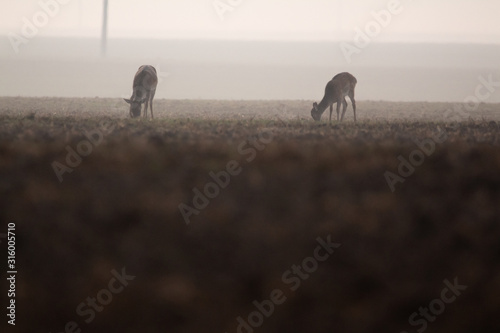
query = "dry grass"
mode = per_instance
[{"x": 119, "y": 208}]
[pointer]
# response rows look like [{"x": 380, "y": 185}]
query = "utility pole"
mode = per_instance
[
  {"x": 104, "y": 36},
  {"x": 80, "y": 14}
]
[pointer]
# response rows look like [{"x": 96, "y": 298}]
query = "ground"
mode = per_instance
[{"x": 242, "y": 216}]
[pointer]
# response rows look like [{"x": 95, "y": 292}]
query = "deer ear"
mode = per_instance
[
  {"x": 315, "y": 105},
  {"x": 128, "y": 101}
]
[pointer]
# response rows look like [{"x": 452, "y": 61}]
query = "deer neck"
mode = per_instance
[{"x": 324, "y": 104}]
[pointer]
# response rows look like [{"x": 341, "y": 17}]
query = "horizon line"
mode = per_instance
[{"x": 254, "y": 40}]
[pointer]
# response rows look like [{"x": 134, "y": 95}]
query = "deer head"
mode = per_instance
[
  {"x": 315, "y": 112},
  {"x": 135, "y": 107}
]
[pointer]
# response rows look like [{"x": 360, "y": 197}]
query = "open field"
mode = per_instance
[{"x": 216, "y": 208}]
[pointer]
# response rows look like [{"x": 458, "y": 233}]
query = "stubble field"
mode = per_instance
[{"x": 238, "y": 216}]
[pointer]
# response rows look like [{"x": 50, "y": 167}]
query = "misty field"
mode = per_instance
[{"x": 248, "y": 216}]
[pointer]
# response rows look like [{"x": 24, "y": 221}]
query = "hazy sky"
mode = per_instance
[{"x": 416, "y": 21}]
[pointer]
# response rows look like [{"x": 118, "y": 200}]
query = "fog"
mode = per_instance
[
  {"x": 237, "y": 70},
  {"x": 399, "y": 50}
]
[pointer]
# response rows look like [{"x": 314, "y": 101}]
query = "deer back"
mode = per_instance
[
  {"x": 340, "y": 86},
  {"x": 145, "y": 81}
]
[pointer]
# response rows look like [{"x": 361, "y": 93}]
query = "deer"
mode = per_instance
[
  {"x": 336, "y": 90},
  {"x": 144, "y": 88}
]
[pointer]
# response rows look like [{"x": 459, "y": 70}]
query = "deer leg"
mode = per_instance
[
  {"x": 353, "y": 101},
  {"x": 331, "y": 111},
  {"x": 152, "y": 97},
  {"x": 338, "y": 111},
  {"x": 146, "y": 104},
  {"x": 344, "y": 108}
]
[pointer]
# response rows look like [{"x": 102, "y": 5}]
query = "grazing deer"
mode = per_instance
[
  {"x": 336, "y": 90},
  {"x": 145, "y": 82}
]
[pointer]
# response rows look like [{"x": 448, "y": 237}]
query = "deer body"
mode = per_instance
[
  {"x": 145, "y": 82},
  {"x": 336, "y": 90}
]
